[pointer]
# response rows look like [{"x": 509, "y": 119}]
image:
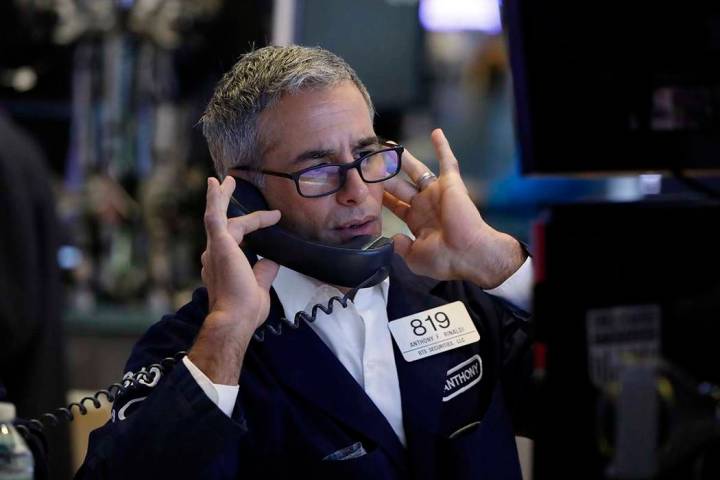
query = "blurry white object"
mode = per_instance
[
  {"x": 283, "y": 22},
  {"x": 454, "y": 15},
  {"x": 650, "y": 184}
]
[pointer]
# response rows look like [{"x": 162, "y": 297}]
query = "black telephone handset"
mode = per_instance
[{"x": 363, "y": 261}]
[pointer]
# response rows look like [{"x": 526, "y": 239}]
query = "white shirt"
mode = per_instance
[{"x": 358, "y": 336}]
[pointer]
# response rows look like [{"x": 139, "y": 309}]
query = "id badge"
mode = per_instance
[{"x": 434, "y": 331}]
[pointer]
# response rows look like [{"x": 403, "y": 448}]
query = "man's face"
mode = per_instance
[{"x": 328, "y": 125}]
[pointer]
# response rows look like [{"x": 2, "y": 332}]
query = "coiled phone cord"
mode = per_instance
[
  {"x": 148, "y": 373},
  {"x": 301, "y": 316},
  {"x": 110, "y": 393}
]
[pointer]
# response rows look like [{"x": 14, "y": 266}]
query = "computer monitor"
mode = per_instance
[
  {"x": 627, "y": 318},
  {"x": 381, "y": 40},
  {"x": 615, "y": 87}
]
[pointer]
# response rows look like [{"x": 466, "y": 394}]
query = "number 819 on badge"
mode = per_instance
[{"x": 434, "y": 331}]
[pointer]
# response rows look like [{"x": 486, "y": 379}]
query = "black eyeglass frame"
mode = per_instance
[{"x": 343, "y": 169}]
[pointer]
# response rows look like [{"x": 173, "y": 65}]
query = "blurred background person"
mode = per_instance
[{"x": 32, "y": 366}]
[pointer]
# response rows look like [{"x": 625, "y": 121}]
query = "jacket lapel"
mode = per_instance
[
  {"x": 302, "y": 362},
  {"x": 421, "y": 381}
]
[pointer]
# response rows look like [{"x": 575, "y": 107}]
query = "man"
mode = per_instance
[
  {"x": 32, "y": 370},
  {"x": 335, "y": 398}
]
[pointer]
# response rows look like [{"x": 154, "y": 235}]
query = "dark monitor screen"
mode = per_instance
[
  {"x": 380, "y": 39},
  {"x": 624, "y": 290},
  {"x": 615, "y": 87}
]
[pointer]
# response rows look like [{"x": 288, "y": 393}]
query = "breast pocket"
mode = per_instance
[
  {"x": 356, "y": 450},
  {"x": 350, "y": 463}
]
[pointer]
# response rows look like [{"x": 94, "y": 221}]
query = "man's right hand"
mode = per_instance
[{"x": 239, "y": 298}]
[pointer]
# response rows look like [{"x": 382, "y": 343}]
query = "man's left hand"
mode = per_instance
[{"x": 452, "y": 241}]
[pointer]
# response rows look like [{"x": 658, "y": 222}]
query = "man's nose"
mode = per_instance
[{"x": 354, "y": 191}]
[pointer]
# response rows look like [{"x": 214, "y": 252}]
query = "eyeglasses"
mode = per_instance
[{"x": 328, "y": 178}]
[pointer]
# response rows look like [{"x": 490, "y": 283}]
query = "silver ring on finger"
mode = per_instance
[{"x": 424, "y": 180}]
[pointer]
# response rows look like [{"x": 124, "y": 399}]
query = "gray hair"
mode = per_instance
[{"x": 256, "y": 82}]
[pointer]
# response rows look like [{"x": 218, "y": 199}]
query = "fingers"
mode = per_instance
[
  {"x": 217, "y": 200},
  {"x": 413, "y": 167},
  {"x": 241, "y": 226},
  {"x": 265, "y": 272},
  {"x": 401, "y": 189},
  {"x": 204, "y": 269},
  {"x": 401, "y": 244},
  {"x": 399, "y": 207},
  {"x": 216, "y": 221},
  {"x": 448, "y": 162}
]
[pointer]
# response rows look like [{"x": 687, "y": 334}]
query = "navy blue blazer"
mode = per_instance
[{"x": 298, "y": 410}]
